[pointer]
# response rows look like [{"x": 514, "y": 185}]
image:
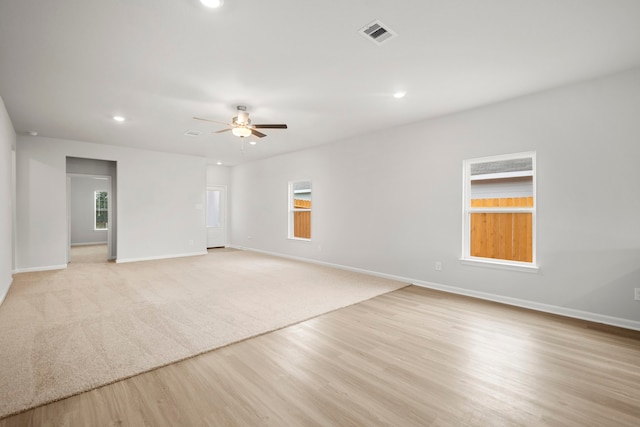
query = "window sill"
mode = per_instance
[
  {"x": 299, "y": 239},
  {"x": 502, "y": 265}
]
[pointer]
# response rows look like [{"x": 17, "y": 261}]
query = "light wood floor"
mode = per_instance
[{"x": 414, "y": 357}]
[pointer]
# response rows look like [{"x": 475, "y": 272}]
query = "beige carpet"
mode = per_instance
[{"x": 67, "y": 331}]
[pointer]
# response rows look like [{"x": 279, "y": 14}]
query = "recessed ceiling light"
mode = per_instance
[
  {"x": 118, "y": 118},
  {"x": 253, "y": 142},
  {"x": 399, "y": 95},
  {"x": 219, "y": 163},
  {"x": 32, "y": 133},
  {"x": 212, "y": 3}
]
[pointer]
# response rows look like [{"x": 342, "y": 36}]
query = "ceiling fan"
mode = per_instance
[{"x": 241, "y": 125}]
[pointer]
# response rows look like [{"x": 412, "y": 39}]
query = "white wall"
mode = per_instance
[
  {"x": 390, "y": 202},
  {"x": 160, "y": 201},
  {"x": 7, "y": 144},
  {"x": 82, "y": 206},
  {"x": 217, "y": 175}
]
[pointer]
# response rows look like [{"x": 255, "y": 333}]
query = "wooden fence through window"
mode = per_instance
[
  {"x": 505, "y": 236},
  {"x": 302, "y": 220}
]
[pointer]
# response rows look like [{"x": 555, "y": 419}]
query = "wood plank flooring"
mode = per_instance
[{"x": 413, "y": 357}]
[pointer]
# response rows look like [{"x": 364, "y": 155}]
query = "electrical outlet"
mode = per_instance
[
  {"x": 637, "y": 294},
  {"x": 438, "y": 266}
]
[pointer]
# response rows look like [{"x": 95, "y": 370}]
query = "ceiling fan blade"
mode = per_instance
[
  {"x": 269, "y": 126},
  {"x": 223, "y": 130},
  {"x": 257, "y": 133},
  {"x": 212, "y": 121}
]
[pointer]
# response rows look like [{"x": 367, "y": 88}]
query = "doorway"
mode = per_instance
[
  {"x": 91, "y": 210},
  {"x": 216, "y": 217}
]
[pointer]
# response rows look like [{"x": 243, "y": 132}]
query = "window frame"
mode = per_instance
[
  {"x": 95, "y": 210},
  {"x": 467, "y": 210},
  {"x": 292, "y": 209}
]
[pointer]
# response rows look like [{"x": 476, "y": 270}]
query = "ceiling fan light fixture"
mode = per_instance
[
  {"x": 241, "y": 125},
  {"x": 212, "y": 3},
  {"x": 241, "y": 132}
]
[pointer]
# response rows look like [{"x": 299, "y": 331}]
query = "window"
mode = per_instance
[
  {"x": 500, "y": 210},
  {"x": 101, "y": 212},
  {"x": 300, "y": 210}
]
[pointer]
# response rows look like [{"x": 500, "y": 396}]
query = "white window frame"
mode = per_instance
[
  {"x": 467, "y": 210},
  {"x": 95, "y": 211},
  {"x": 292, "y": 210}
]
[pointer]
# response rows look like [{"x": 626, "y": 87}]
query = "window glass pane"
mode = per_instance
[
  {"x": 517, "y": 191},
  {"x": 102, "y": 210},
  {"x": 502, "y": 166},
  {"x": 302, "y": 195},
  {"x": 302, "y": 225},
  {"x": 298, "y": 187},
  {"x": 506, "y": 236},
  {"x": 301, "y": 209},
  {"x": 213, "y": 208}
]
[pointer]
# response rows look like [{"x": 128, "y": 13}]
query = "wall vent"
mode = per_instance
[
  {"x": 193, "y": 133},
  {"x": 377, "y": 32}
]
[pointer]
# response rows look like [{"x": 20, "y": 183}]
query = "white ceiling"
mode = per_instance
[{"x": 68, "y": 66}]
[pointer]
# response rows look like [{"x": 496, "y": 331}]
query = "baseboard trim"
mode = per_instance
[
  {"x": 327, "y": 264},
  {"x": 89, "y": 243},
  {"x": 43, "y": 268},
  {"x": 153, "y": 258},
  {"x": 537, "y": 306},
  {"x": 546, "y": 308}
]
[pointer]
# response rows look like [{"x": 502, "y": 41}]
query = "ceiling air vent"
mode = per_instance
[
  {"x": 193, "y": 133},
  {"x": 377, "y": 32}
]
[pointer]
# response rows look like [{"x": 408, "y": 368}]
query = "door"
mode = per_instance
[{"x": 216, "y": 217}]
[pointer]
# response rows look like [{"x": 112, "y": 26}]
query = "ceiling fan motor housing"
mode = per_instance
[{"x": 242, "y": 119}]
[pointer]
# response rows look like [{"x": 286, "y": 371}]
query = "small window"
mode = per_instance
[
  {"x": 500, "y": 210},
  {"x": 101, "y": 212},
  {"x": 300, "y": 210}
]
